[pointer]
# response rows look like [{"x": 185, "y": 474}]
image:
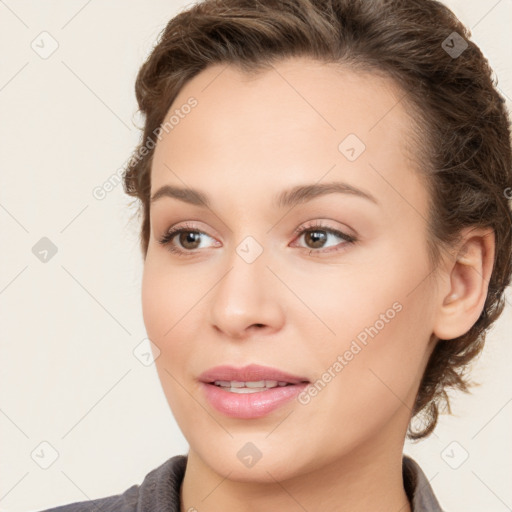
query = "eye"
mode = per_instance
[
  {"x": 317, "y": 234},
  {"x": 189, "y": 238}
]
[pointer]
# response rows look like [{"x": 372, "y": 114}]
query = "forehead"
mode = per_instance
[{"x": 293, "y": 123}]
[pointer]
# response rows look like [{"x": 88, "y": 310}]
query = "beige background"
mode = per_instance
[{"x": 69, "y": 327}]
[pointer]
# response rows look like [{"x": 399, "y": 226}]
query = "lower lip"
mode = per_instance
[{"x": 250, "y": 405}]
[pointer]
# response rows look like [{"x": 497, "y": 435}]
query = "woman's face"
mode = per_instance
[{"x": 269, "y": 281}]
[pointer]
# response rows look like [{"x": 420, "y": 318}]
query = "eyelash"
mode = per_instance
[{"x": 315, "y": 226}]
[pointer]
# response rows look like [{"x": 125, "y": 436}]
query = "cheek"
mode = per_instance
[
  {"x": 171, "y": 312},
  {"x": 154, "y": 303},
  {"x": 379, "y": 295},
  {"x": 165, "y": 296},
  {"x": 378, "y": 378},
  {"x": 373, "y": 362},
  {"x": 164, "y": 307}
]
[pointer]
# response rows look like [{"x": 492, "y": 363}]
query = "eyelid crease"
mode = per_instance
[{"x": 312, "y": 226}]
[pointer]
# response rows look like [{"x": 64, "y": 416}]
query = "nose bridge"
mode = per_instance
[{"x": 246, "y": 294}]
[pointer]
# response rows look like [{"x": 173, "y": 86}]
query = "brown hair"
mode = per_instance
[{"x": 461, "y": 126}]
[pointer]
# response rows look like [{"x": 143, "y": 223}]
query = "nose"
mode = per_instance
[{"x": 247, "y": 300}]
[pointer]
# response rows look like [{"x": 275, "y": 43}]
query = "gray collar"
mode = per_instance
[
  {"x": 417, "y": 487},
  {"x": 160, "y": 490}
]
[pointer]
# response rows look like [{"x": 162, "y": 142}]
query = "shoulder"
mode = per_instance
[
  {"x": 418, "y": 488},
  {"x": 158, "y": 491},
  {"x": 125, "y": 502}
]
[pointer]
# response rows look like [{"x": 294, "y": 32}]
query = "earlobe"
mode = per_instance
[{"x": 462, "y": 301}]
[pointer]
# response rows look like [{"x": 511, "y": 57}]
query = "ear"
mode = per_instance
[{"x": 462, "y": 298}]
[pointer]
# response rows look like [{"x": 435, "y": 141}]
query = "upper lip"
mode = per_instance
[{"x": 250, "y": 373}]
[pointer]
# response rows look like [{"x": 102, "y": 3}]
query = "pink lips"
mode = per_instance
[
  {"x": 249, "y": 405},
  {"x": 253, "y": 372}
]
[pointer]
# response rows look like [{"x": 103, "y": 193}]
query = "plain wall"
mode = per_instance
[{"x": 69, "y": 326}]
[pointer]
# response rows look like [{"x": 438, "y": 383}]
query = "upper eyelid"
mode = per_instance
[
  {"x": 315, "y": 224},
  {"x": 311, "y": 225}
]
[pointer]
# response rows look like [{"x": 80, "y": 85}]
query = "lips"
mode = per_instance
[
  {"x": 237, "y": 392},
  {"x": 250, "y": 373}
]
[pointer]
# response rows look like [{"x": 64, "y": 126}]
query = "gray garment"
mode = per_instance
[{"x": 160, "y": 491}]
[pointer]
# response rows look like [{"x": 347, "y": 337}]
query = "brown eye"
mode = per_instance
[
  {"x": 184, "y": 240},
  {"x": 317, "y": 235},
  {"x": 189, "y": 239},
  {"x": 317, "y": 238}
]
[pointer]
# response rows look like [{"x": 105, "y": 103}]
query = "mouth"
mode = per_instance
[
  {"x": 236, "y": 386},
  {"x": 249, "y": 392},
  {"x": 249, "y": 377}
]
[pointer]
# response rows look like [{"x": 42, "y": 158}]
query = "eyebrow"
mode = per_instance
[{"x": 288, "y": 198}]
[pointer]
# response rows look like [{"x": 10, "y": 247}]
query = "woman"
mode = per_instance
[{"x": 326, "y": 238}]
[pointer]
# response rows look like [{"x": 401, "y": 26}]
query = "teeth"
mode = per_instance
[
  {"x": 261, "y": 384},
  {"x": 245, "y": 390},
  {"x": 223, "y": 383},
  {"x": 236, "y": 386}
]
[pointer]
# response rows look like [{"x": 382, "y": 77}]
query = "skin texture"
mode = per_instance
[{"x": 300, "y": 304}]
